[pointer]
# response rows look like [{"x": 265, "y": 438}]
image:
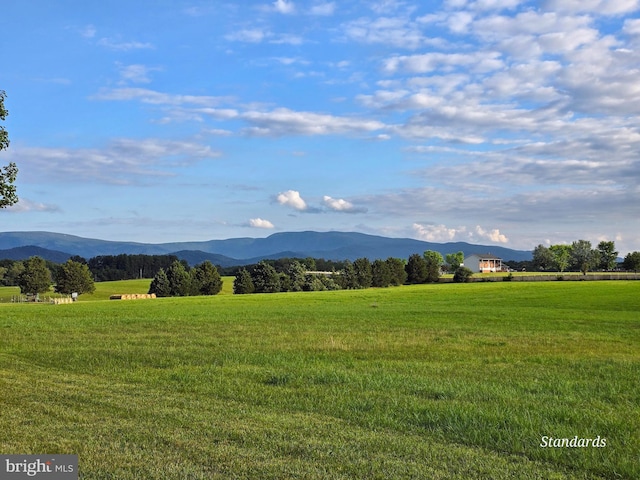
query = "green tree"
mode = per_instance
[
  {"x": 36, "y": 277},
  {"x": 380, "y": 274},
  {"x": 561, "y": 256},
  {"x": 205, "y": 279},
  {"x": 12, "y": 276},
  {"x": 416, "y": 269},
  {"x": 297, "y": 276},
  {"x": 349, "y": 279},
  {"x": 607, "y": 255},
  {"x": 179, "y": 280},
  {"x": 364, "y": 276},
  {"x": 243, "y": 284},
  {"x": 397, "y": 271},
  {"x": 74, "y": 277},
  {"x": 265, "y": 278},
  {"x": 9, "y": 172},
  {"x": 454, "y": 260},
  {"x": 583, "y": 257},
  {"x": 632, "y": 261},
  {"x": 433, "y": 261},
  {"x": 462, "y": 275},
  {"x": 160, "y": 284},
  {"x": 542, "y": 257}
]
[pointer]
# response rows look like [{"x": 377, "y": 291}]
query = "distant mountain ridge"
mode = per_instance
[
  {"x": 21, "y": 253},
  {"x": 241, "y": 251}
]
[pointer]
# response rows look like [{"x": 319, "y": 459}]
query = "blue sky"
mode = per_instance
[{"x": 501, "y": 122}]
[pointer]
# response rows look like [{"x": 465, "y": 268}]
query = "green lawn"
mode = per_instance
[{"x": 430, "y": 381}]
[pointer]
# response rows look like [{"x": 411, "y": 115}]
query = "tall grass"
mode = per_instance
[{"x": 432, "y": 381}]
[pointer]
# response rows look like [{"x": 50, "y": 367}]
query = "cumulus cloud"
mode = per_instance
[
  {"x": 436, "y": 233},
  {"x": 260, "y": 223},
  {"x": 341, "y": 205},
  {"x": 492, "y": 235},
  {"x": 292, "y": 198}
]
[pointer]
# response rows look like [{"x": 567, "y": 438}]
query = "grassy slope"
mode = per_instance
[{"x": 435, "y": 381}]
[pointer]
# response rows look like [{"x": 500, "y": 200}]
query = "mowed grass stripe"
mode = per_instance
[{"x": 438, "y": 381}]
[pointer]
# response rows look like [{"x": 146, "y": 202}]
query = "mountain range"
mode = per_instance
[{"x": 58, "y": 247}]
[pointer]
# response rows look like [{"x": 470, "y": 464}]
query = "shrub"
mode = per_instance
[{"x": 462, "y": 275}]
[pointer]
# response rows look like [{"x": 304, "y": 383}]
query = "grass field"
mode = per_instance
[
  {"x": 430, "y": 381},
  {"x": 105, "y": 289}
]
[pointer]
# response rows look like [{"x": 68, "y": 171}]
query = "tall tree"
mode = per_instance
[
  {"x": 561, "y": 256},
  {"x": 362, "y": 266},
  {"x": 396, "y": 268},
  {"x": 9, "y": 172},
  {"x": 632, "y": 261},
  {"x": 265, "y": 278},
  {"x": 380, "y": 274},
  {"x": 607, "y": 255},
  {"x": 349, "y": 279},
  {"x": 243, "y": 283},
  {"x": 582, "y": 256},
  {"x": 542, "y": 257},
  {"x": 205, "y": 279},
  {"x": 416, "y": 269},
  {"x": 160, "y": 284},
  {"x": 297, "y": 275},
  {"x": 36, "y": 277},
  {"x": 434, "y": 261},
  {"x": 454, "y": 260},
  {"x": 74, "y": 277},
  {"x": 179, "y": 280}
]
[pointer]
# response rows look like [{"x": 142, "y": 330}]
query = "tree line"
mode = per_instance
[
  {"x": 294, "y": 275},
  {"x": 36, "y": 275},
  {"x": 581, "y": 256}
]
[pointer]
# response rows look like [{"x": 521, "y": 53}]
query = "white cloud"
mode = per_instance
[
  {"x": 156, "y": 98},
  {"x": 492, "y": 235},
  {"x": 436, "y": 233},
  {"x": 292, "y": 198},
  {"x": 438, "y": 62},
  {"x": 496, "y": 4},
  {"x": 603, "y": 7},
  {"x": 122, "y": 162},
  {"x": 249, "y": 35},
  {"x": 397, "y": 31},
  {"x": 341, "y": 205},
  {"x": 135, "y": 73},
  {"x": 283, "y": 121},
  {"x": 323, "y": 9},
  {"x": 284, "y": 7},
  {"x": 632, "y": 26},
  {"x": 260, "y": 223},
  {"x": 115, "y": 44},
  {"x": 89, "y": 31},
  {"x": 26, "y": 205}
]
